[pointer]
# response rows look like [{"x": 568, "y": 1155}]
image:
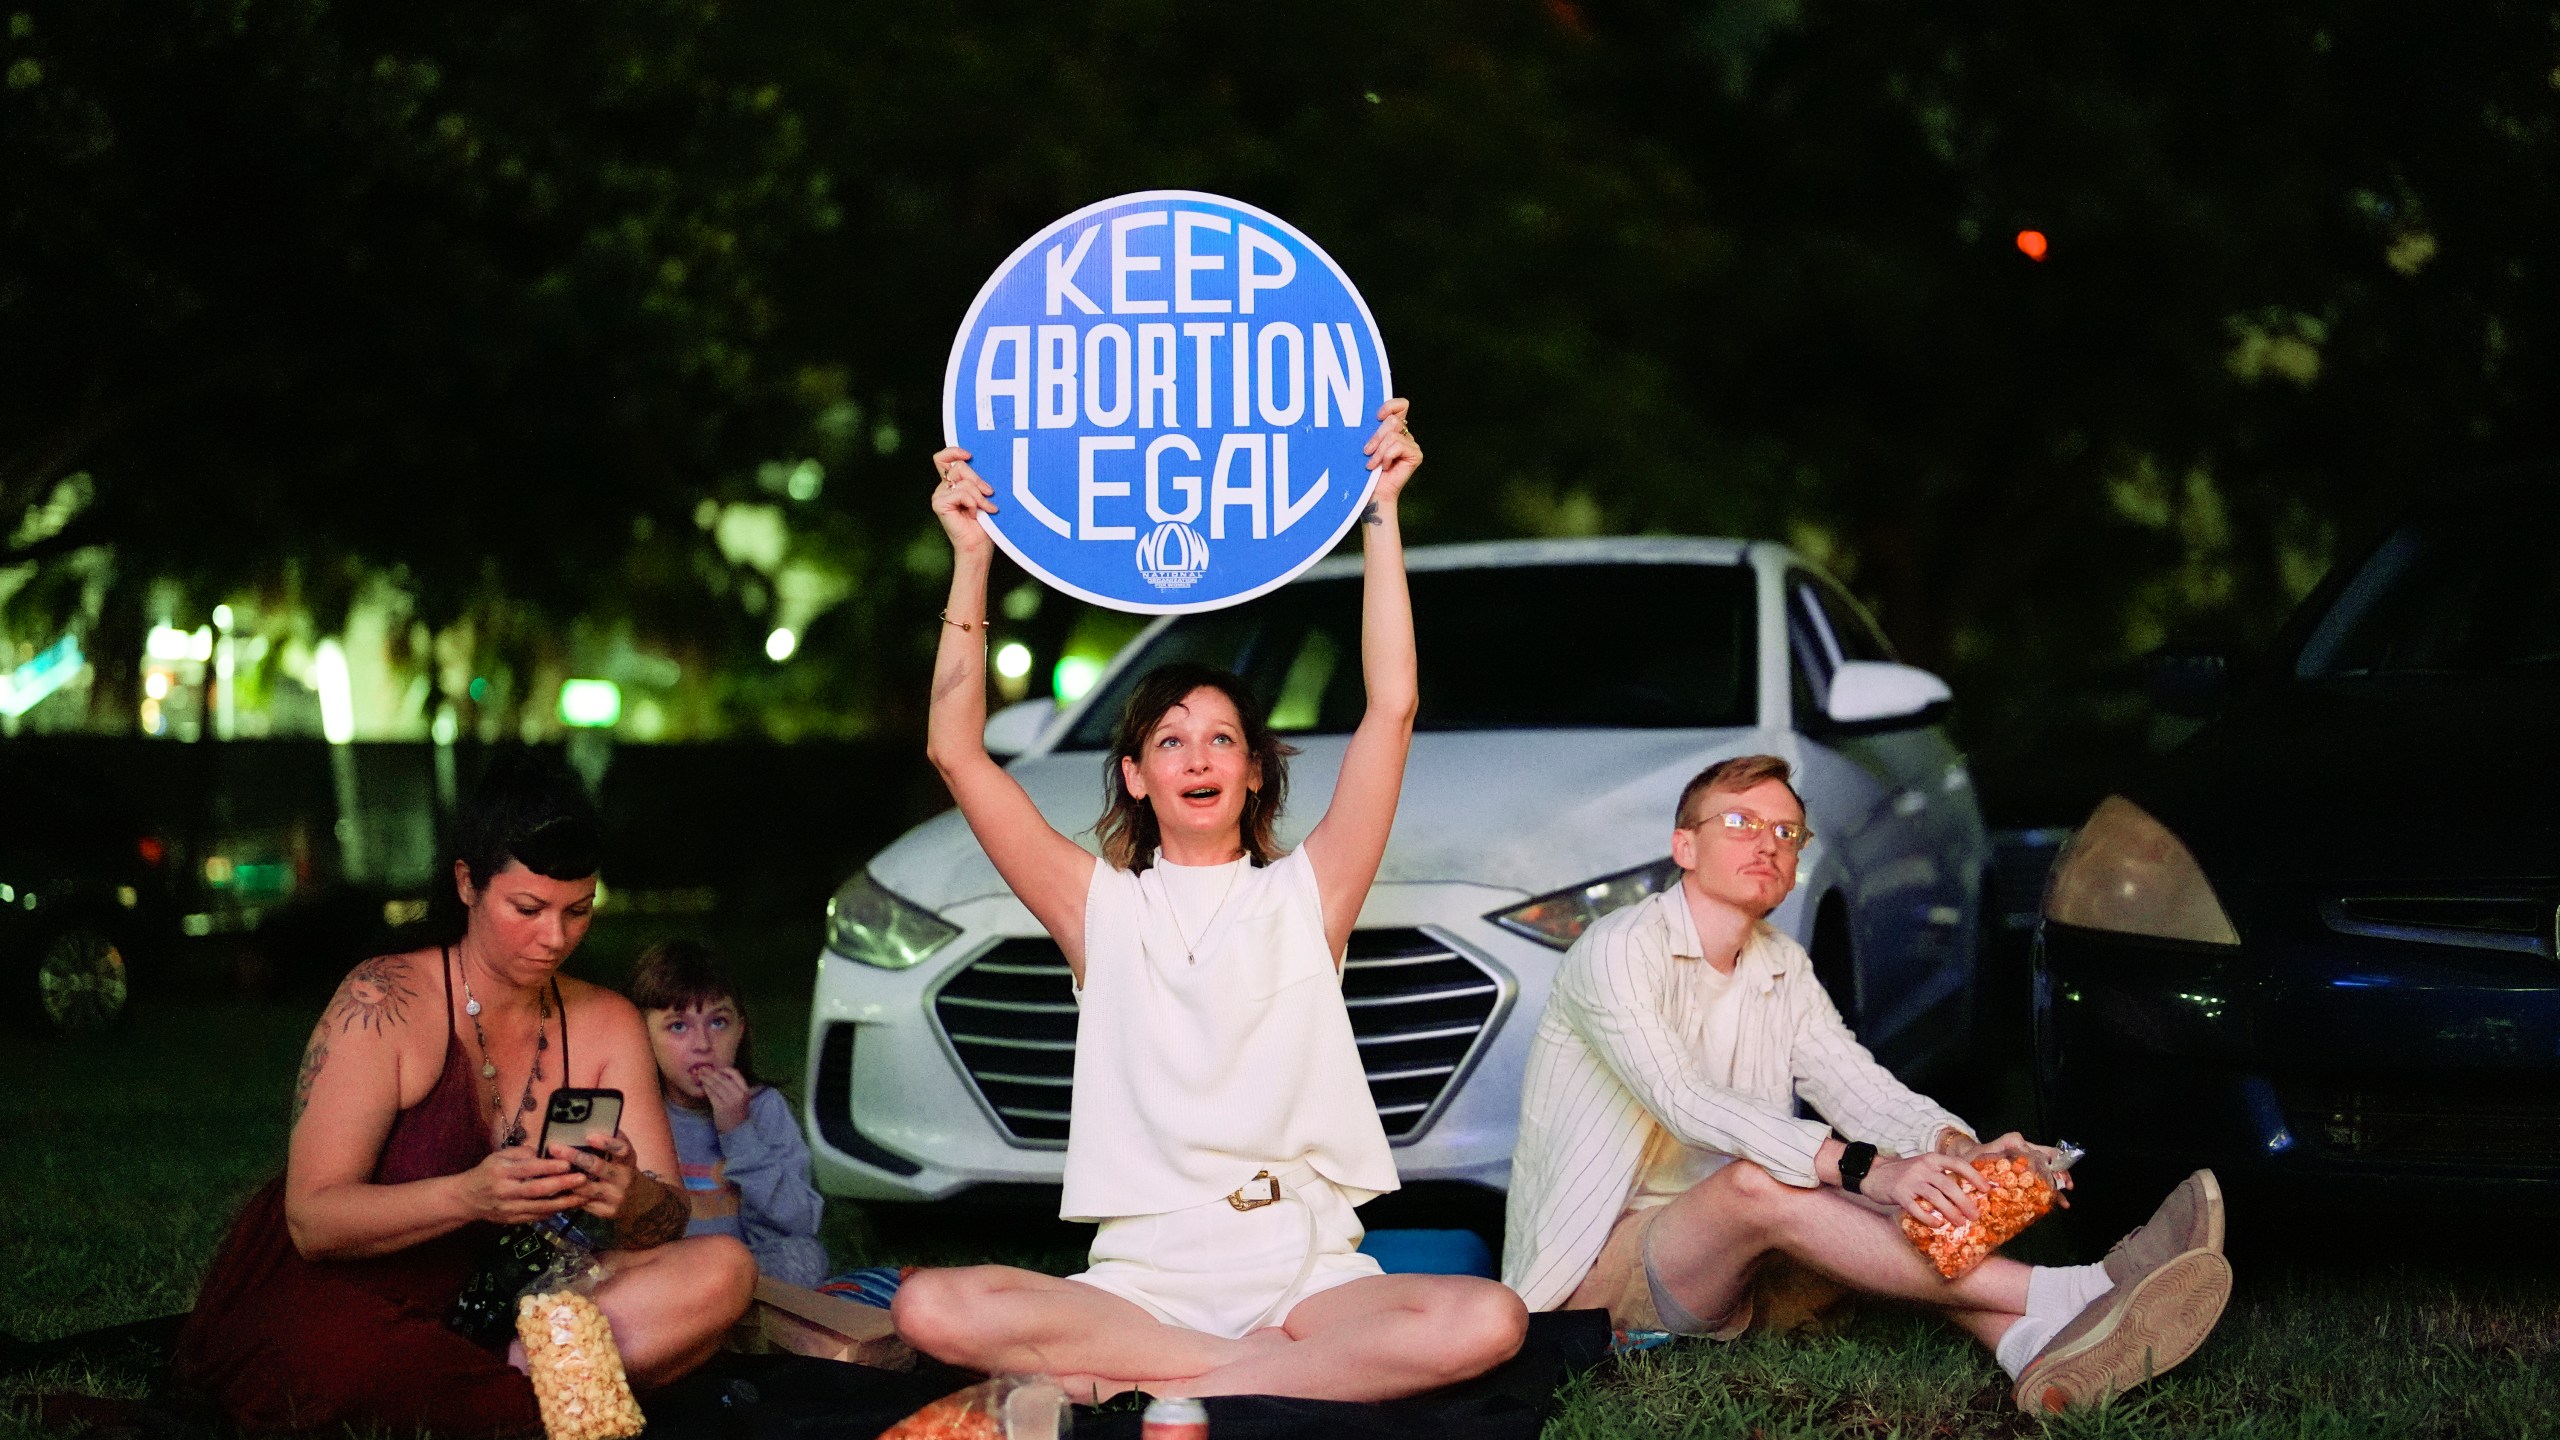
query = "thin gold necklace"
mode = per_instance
[{"x": 1188, "y": 957}]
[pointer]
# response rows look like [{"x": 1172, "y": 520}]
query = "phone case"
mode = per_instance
[{"x": 575, "y": 1114}]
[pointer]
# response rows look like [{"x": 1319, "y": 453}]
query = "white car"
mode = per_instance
[{"x": 1569, "y": 689}]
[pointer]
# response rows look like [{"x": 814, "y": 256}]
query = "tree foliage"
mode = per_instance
[{"x": 465, "y": 293}]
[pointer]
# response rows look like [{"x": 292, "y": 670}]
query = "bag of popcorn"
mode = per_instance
[
  {"x": 1008, "y": 1407},
  {"x": 577, "y": 1373},
  {"x": 2014, "y": 1192}
]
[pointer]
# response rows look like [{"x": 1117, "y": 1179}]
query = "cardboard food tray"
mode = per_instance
[{"x": 804, "y": 1322}]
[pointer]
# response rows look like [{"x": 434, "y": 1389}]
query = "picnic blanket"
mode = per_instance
[{"x": 794, "y": 1397}]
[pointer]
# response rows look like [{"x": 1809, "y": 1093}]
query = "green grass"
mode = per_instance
[{"x": 123, "y": 1156}]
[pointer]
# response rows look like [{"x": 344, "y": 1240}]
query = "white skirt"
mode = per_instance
[{"x": 1229, "y": 1272}]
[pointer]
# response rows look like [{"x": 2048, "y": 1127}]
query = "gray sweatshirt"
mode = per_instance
[{"x": 753, "y": 1183}]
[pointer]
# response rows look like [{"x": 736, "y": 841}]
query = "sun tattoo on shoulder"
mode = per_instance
[{"x": 375, "y": 995}]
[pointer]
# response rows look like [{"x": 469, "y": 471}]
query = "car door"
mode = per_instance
[{"x": 1903, "y": 829}]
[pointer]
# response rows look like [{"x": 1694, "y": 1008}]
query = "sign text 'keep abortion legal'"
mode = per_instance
[{"x": 1169, "y": 392}]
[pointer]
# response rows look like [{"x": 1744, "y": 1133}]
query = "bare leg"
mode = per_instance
[
  {"x": 1378, "y": 1338},
  {"x": 672, "y": 1305},
  {"x": 996, "y": 1319},
  {"x": 1706, "y": 1242}
]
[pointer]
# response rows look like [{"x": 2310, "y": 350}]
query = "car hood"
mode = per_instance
[
  {"x": 2370, "y": 779},
  {"x": 1530, "y": 811}
]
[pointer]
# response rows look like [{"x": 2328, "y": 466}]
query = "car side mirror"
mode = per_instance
[
  {"x": 2187, "y": 681},
  {"x": 1017, "y": 727},
  {"x": 1866, "y": 692}
]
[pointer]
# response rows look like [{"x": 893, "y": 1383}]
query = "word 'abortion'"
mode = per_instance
[{"x": 1251, "y": 380}]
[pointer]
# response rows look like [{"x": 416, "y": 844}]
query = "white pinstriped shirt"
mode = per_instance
[{"x": 1613, "y": 1064}]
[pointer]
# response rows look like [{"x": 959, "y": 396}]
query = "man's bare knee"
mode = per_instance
[{"x": 1751, "y": 1184}]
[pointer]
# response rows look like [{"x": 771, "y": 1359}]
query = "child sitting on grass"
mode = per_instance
[{"x": 746, "y": 1168}]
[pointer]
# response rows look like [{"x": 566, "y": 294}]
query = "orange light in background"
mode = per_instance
[
  {"x": 2031, "y": 243},
  {"x": 151, "y": 849}
]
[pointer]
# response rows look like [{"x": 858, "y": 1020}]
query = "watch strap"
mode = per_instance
[{"x": 1855, "y": 1162}]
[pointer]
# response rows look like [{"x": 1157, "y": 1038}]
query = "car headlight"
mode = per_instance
[
  {"x": 2125, "y": 872},
  {"x": 1559, "y": 919},
  {"x": 867, "y": 923}
]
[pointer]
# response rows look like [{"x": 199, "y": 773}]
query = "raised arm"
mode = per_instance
[
  {"x": 1347, "y": 844},
  {"x": 1049, "y": 873}
]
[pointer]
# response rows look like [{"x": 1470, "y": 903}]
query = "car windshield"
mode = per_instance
[
  {"x": 2475, "y": 591},
  {"x": 1531, "y": 647}
]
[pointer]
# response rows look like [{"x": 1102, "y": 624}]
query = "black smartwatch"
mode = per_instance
[{"x": 1855, "y": 1162}]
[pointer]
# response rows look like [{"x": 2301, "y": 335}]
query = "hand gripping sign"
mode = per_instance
[{"x": 1169, "y": 392}]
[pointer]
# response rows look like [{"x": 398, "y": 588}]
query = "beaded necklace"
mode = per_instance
[{"x": 515, "y": 1132}]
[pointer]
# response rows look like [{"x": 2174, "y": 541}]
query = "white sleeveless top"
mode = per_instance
[{"x": 1199, "y": 1063}]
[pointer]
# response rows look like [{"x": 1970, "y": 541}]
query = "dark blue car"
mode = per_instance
[{"x": 2317, "y": 941}]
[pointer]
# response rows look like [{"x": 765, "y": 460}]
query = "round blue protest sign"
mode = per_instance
[{"x": 1169, "y": 392}]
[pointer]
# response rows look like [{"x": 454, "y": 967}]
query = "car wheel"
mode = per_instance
[
  {"x": 1834, "y": 964},
  {"x": 80, "y": 980}
]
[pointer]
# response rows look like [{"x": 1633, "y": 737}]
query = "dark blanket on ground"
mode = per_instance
[{"x": 789, "y": 1397}]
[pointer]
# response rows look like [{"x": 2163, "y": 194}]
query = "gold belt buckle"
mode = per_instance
[{"x": 1238, "y": 1200}]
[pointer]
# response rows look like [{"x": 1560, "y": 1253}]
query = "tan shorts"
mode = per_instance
[{"x": 1782, "y": 1295}]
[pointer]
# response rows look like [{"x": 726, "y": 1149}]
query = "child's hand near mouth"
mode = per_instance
[{"x": 726, "y": 1089}]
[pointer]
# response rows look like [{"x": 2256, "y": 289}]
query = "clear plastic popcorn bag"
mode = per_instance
[
  {"x": 1008, "y": 1407},
  {"x": 578, "y": 1378},
  {"x": 2014, "y": 1192}
]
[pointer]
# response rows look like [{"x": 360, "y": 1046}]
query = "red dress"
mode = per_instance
[{"x": 281, "y": 1342}]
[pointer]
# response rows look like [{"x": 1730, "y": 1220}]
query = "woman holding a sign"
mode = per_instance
[{"x": 1223, "y": 1129}]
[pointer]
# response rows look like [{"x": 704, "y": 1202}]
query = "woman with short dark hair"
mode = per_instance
[
  {"x": 1223, "y": 1130},
  {"x": 414, "y": 1120}
]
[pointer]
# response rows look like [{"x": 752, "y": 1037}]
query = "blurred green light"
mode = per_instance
[
  {"x": 1074, "y": 676},
  {"x": 590, "y": 704}
]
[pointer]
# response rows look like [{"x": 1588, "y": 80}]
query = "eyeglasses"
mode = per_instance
[{"x": 1743, "y": 825}]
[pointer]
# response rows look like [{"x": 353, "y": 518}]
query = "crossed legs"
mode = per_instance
[
  {"x": 1370, "y": 1339},
  {"x": 671, "y": 1305}
]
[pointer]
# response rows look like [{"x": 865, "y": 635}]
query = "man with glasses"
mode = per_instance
[{"x": 1664, "y": 1173}]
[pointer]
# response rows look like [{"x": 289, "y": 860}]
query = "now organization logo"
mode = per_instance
[
  {"x": 1169, "y": 392},
  {"x": 1173, "y": 556}
]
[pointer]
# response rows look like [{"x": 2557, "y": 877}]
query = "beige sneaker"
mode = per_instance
[
  {"x": 2189, "y": 1219},
  {"x": 2135, "y": 1332}
]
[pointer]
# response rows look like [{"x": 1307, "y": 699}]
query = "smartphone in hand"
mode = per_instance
[{"x": 577, "y": 1117}]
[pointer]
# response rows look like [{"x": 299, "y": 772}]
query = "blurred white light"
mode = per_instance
[
  {"x": 222, "y": 617},
  {"x": 780, "y": 645},
  {"x": 590, "y": 704},
  {"x": 337, "y": 692},
  {"x": 1013, "y": 660},
  {"x": 156, "y": 684},
  {"x": 166, "y": 642},
  {"x": 1075, "y": 675}
]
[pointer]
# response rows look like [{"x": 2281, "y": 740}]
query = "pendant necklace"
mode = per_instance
[
  {"x": 515, "y": 1133},
  {"x": 1188, "y": 945}
]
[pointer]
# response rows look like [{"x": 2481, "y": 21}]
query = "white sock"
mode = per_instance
[
  {"x": 2059, "y": 1292},
  {"x": 2055, "y": 1295},
  {"x": 2022, "y": 1342}
]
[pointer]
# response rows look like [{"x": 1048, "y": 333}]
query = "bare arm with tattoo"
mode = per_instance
[
  {"x": 379, "y": 1028},
  {"x": 1049, "y": 873}
]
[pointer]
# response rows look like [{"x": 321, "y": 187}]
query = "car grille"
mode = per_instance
[
  {"x": 2504, "y": 1120},
  {"x": 1418, "y": 1008}
]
